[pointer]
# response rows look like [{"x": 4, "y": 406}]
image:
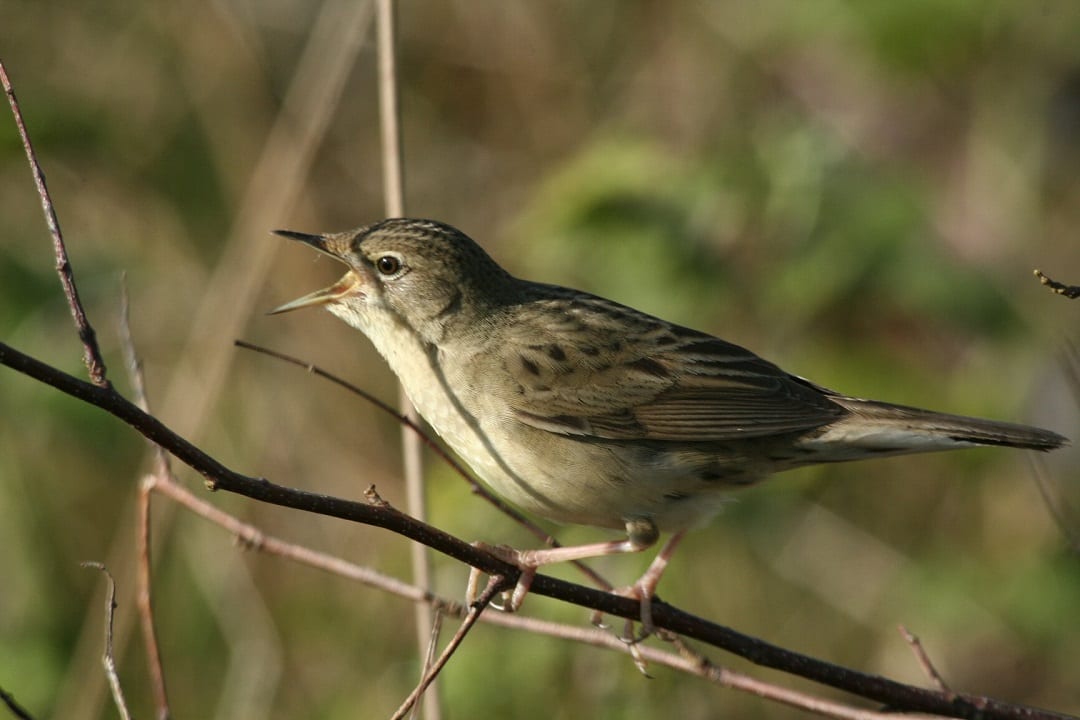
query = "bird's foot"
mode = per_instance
[
  {"x": 522, "y": 560},
  {"x": 644, "y": 595}
]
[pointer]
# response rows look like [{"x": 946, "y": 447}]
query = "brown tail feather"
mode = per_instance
[{"x": 896, "y": 425}]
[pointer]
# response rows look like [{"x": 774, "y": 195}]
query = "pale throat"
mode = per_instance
[{"x": 401, "y": 348}]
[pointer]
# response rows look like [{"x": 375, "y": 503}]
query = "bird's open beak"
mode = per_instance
[
  {"x": 336, "y": 291},
  {"x": 320, "y": 297}
]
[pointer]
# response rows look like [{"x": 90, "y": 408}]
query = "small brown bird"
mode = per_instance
[{"x": 586, "y": 411}]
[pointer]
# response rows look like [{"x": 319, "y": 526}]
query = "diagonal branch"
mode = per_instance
[
  {"x": 496, "y": 584},
  {"x": 91, "y": 352}
]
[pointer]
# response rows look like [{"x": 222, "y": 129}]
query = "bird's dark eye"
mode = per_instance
[{"x": 388, "y": 264}]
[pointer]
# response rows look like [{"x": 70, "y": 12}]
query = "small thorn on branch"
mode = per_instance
[{"x": 373, "y": 497}]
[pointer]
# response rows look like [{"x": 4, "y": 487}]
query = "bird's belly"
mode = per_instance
[{"x": 579, "y": 481}]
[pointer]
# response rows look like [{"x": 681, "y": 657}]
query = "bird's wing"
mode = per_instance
[{"x": 603, "y": 370}]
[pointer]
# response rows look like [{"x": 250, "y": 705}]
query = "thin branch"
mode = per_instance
[
  {"x": 95, "y": 365},
  {"x": 135, "y": 372},
  {"x": 496, "y": 584},
  {"x": 144, "y": 588},
  {"x": 219, "y": 477},
  {"x": 429, "y": 656},
  {"x": 828, "y": 708},
  {"x": 108, "y": 660},
  {"x": 251, "y": 537},
  {"x": 394, "y": 200},
  {"x": 144, "y": 601},
  {"x": 924, "y": 661},
  {"x": 390, "y": 110}
]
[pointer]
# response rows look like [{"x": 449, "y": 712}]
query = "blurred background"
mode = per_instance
[{"x": 858, "y": 191}]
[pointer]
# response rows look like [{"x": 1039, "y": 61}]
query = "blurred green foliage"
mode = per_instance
[{"x": 856, "y": 190}]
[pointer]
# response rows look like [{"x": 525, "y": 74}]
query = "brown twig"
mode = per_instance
[
  {"x": 144, "y": 587},
  {"x": 144, "y": 601},
  {"x": 251, "y": 537},
  {"x": 1070, "y": 291},
  {"x": 108, "y": 660},
  {"x": 394, "y": 200},
  {"x": 738, "y": 681},
  {"x": 162, "y": 463},
  {"x": 95, "y": 365},
  {"x": 389, "y": 110},
  {"x": 408, "y": 422},
  {"x": 429, "y": 656},
  {"x": 496, "y": 584},
  {"x": 924, "y": 661}
]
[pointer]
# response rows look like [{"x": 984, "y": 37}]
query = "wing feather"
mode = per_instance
[{"x": 609, "y": 372}]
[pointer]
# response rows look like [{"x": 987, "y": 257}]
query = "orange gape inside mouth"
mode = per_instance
[{"x": 349, "y": 284}]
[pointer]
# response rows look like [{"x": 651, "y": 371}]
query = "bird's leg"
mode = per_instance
[
  {"x": 645, "y": 587},
  {"x": 640, "y": 534}
]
